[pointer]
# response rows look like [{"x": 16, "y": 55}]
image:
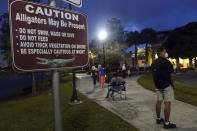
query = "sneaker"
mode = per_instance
[
  {"x": 159, "y": 121},
  {"x": 169, "y": 126}
]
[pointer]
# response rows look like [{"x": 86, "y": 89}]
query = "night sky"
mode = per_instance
[{"x": 134, "y": 14}]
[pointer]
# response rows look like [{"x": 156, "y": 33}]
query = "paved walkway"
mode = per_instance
[
  {"x": 189, "y": 78},
  {"x": 138, "y": 109}
]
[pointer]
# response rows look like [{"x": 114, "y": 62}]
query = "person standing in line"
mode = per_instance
[
  {"x": 107, "y": 71},
  {"x": 123, "y": 70},
  {"x": 94, "y": 75},
  {"x": 163, "y": 74},
  {"x": 101, "y": 76},
  {"x": 137, "y": 68},
  {"x": 128, "y": 70}
]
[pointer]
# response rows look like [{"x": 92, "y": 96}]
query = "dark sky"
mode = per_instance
[
  {"x": 139, "y": 14},
  {"x": 134, "y": 14}
]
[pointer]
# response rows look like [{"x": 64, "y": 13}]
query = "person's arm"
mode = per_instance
[
  {"x": 112, "y": 80},
  {"x": 172, "y": 73},
  {"x": 172, "y": 76},
  {"x": 121, "y": 80}
]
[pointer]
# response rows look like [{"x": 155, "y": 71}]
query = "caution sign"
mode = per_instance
[{"x": 45, "y": 38}]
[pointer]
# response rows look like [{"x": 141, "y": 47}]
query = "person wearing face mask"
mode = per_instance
[{"x": 163, "y": 74}]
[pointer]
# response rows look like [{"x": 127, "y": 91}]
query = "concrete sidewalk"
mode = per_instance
[{"x": 139, "y": 108}]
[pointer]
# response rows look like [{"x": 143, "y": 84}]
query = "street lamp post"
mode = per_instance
[
  {"x": 74, "y": 99},
  {"x": 103, "y": 55},
  {"x": 102, "y": 36}
]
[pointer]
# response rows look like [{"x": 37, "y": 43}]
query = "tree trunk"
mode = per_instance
[
  {"x": 135, "y": 55},
  {"x": 177, "y": 63},
  {"x": 152, "y": 53},
  {"x": 190, "y": 62},
  {"x": 33, "y": 84},
  {"x": 146, "y": 53}
]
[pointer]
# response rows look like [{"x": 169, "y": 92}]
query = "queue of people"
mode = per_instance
[
  {"x": 102, "y": 75},
  {"x": 116, "y": 83}
]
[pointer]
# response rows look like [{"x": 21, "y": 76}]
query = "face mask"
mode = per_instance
[{"x": 166, "y": 55}]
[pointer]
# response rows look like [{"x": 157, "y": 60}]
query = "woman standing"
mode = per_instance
[
  {"x": 101, "y": 76},
  {"x": 94, "y": 75}
]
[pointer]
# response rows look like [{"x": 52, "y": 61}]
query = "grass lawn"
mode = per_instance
[
  {"x": 36, "y": 114},
  {"x": 183, "y": 92}
]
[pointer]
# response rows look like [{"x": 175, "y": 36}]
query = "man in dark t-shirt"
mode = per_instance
[{"x": 163, "y": 73}]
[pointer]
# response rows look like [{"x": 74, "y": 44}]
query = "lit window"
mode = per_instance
[
  {"x": 180, "y": 61},
  {"x": 187, "y": 61},
  {"x": 156, "y": 56}
]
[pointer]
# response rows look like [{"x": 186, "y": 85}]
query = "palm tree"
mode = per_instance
[
  {"x": 148, "y": 36},
  {"x": 134, "y": 38}
]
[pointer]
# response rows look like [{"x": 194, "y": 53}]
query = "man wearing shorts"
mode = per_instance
[{"x": 163, "y": 73}]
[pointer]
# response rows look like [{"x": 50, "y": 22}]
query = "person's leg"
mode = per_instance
[
  {"x": 159, "y": 102},
  {"x": 109, "y": 90},
  {"x": 94, "y": 82},
  {"x": 103, "y": 82},
  {"x": 167, "y": 110},
  {"x": 168, "y": 98},
  {"x": 158, "y": 108},
  {"x": 112, "y": 93},
  {"x": 102, "y": 85},
  {"x": 100, "y": 81}
]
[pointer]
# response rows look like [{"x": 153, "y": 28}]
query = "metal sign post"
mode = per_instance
[
  {"x": 56, "y": 91},
  {"x": 56, "y": 101}
]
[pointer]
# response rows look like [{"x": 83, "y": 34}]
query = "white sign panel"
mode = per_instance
[{"x": 77, "y": 3}]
